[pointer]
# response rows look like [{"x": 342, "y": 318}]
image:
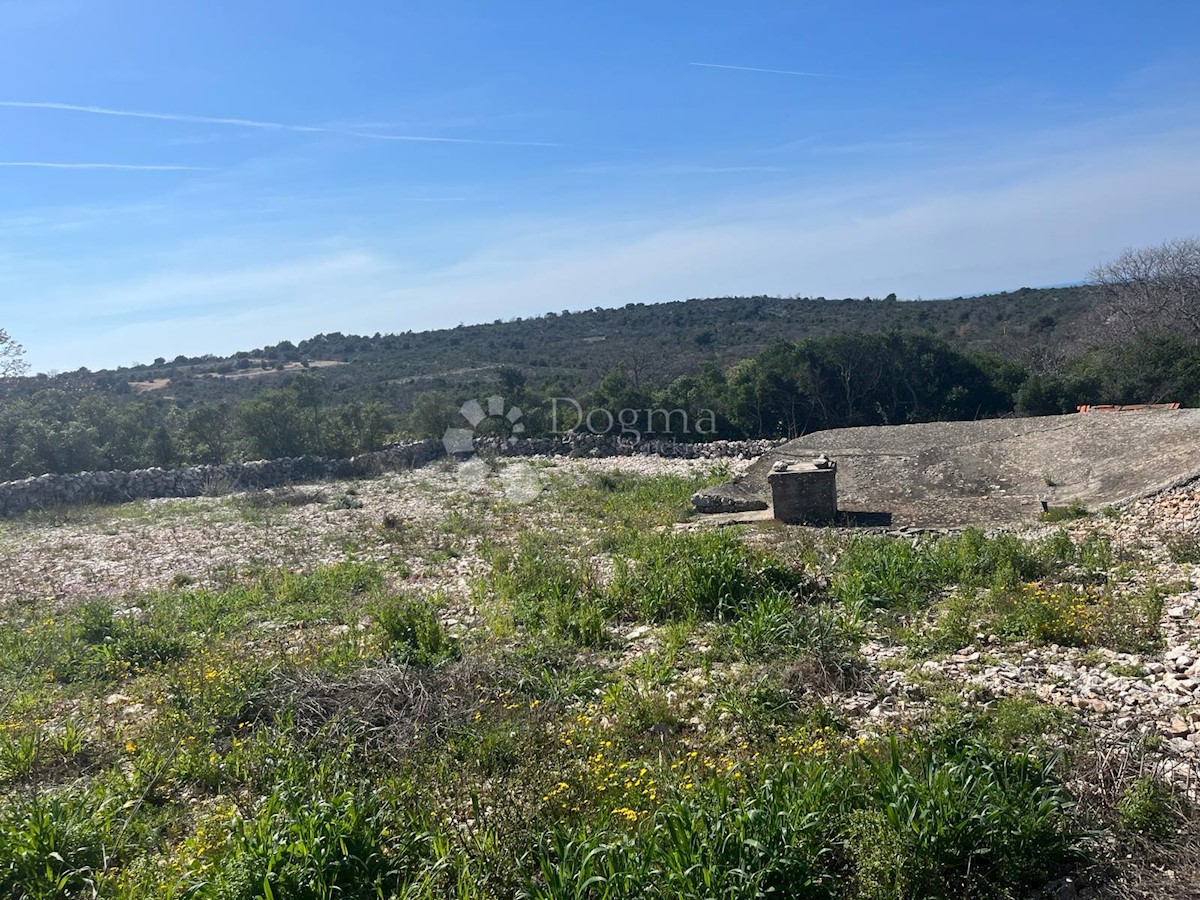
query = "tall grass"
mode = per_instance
[
  {"x": 898, "y": 573},
  {"x": 712, "y": 575},
  {"x": 919, "y": 821}
]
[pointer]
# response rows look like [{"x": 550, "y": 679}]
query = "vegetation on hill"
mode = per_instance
[{"x": 738, "y": 367}]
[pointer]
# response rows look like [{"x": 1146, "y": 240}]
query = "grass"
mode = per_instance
[
  {"x": 1041, "y": 613},
  {"x": 1148, "y": 807},
  {"x": 903, "y": 821},
  {"x": 1073, "y": 510},
  {"x": 1183, "y": 548},
  {"x": 697, "y": 575},
  {"x": 631, "y": 711},
  {"x": 897, "y": 573},
  {"x": 413, "y": 632}
]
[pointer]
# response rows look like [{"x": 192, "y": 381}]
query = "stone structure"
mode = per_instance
[
  {"x": 48, "y": 491},
  {"x": 604, "y": 445},
  {"x": 804, "y": 492},
  {"x": 986, "y": 473}
]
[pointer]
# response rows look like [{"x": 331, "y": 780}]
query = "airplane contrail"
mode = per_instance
[
  {"x": 98, "y": 165},
  {"x": 256, "y": 123},
  {"x": 768, "y": 71}
]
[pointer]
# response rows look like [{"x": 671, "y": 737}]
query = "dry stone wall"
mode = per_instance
[
  {"x": 48, "y": 491},
  {"x": 604, "y": 445}
]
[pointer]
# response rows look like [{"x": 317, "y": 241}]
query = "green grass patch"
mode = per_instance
[
  {"x": 1042, "y": 613},
  {"x": 674, "y": 576}
]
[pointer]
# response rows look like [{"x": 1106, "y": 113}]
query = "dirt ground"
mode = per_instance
[{"x": 993, "y": 472}]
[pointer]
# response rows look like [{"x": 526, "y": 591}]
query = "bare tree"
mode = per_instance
[
  {"x": 11, "y": 363},
  {"x": 1153, "y": 289}
]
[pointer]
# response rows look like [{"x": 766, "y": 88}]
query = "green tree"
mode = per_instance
[
  {"x": 272, "y": 425},
  {"x": 432, "y": 414},
  {"x": 11, "y": 353},
  {"x": 207, "y": 433}
]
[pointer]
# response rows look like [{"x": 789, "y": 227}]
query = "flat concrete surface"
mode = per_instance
[{"x": 994, "y": 472}]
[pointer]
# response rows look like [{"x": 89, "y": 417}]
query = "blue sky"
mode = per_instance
[{"x": 303, "y": 167}]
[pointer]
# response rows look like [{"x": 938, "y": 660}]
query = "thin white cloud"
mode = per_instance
[
  {"x": 1035, "y": 211},
  {"x": 130, "y": 167},
  {"x": 255, "y": 123},
  {"x": 769, "y": 71},
  {"x": 673, "y": 169}
]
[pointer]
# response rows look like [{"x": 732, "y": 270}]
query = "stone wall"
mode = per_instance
[
  {"x": 603, "y": 445},
  {"x": 48, "y": 491}
]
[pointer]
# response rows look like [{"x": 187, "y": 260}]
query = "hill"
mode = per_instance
[
  {"x": 654, "y": 342},
  {"x": 731, "y": 360}
]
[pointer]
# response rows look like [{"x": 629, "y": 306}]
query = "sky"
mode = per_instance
[{"x": 190, "y": 178}]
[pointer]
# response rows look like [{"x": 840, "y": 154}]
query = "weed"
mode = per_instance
[
  {"x": 413, "y": 632},
  {"x": 1147, "y": 806},
  {"x": 1050, "y": 614},
  {"x": 683, "y": 576},
  {"x": 1073, "y": 510},
  {"x": 348, "y": 500},
  {"x": 551, "y": 593},
  {"x": 1183, "y": 548},
  {"x": 96, "y": 620}
]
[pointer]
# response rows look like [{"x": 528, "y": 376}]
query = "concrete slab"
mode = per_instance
[{"x": 994, "y": 472}]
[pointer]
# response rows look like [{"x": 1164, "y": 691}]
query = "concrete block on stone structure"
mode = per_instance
[{"x": 805, "y": 493}]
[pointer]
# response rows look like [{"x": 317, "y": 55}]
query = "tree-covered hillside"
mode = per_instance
[
  {"x": 752, "y": 366},
  {"x": 653, "y": 342}
]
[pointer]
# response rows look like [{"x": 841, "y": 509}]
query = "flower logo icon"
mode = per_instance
[{"x": 462, "y": 440}]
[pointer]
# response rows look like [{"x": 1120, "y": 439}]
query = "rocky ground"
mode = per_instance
[{"x": 1140, "y": 711}]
